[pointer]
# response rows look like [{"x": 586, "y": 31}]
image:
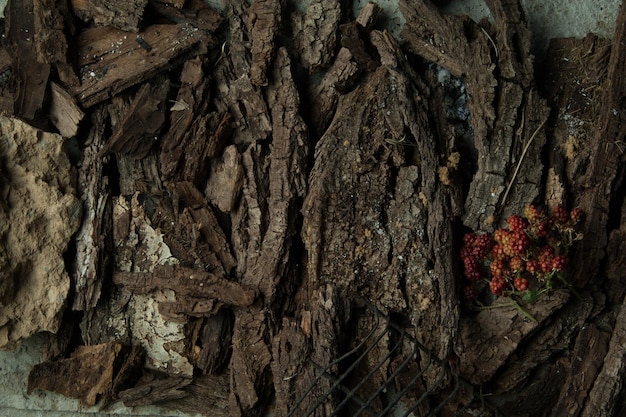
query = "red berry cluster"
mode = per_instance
[{"x": 529, "y": 251}]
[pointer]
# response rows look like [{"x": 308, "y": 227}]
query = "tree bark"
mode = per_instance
[{"x": 265, "y": 234}]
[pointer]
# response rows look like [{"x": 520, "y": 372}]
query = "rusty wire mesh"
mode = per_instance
[{"x": 446, "y": 393}]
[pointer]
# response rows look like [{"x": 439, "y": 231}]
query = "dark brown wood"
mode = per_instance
[
  {"x": 187, "y": 120},
  {"x": 64, "y": 112},
  {"x": 264, "y": 22},
  {"x": 251, "y": 209},
  {"x": 121, "y": 14},
  {"x": 154, "y": 388},
  {"x": 136, "y": 133},
  {"x": 94, "y": 236},
  {"x": 31, "y": 75},
  {"x": 90, "y": 373},
  {"x": 186, "y": 282},
  {"x": 111, "y": 60},
  {"x": 316, "y": 33},
  {"x": 196, "y": 12}
]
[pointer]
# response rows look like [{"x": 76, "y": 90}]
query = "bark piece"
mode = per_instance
[
  {"x": 361, "y": 232},
  {"x": 154, "y": 388},
  {"x": 112, "y": 60},
  {"x": 267, "y": 255},
  {"x": 236, "y": 93},
  {"x": 338, "y": 79},
  {"x": 264, "y": 22},
  {"x": 590, "y": 347},
  {"x": 196, "y": 12},
  {"x": 182, "y": 235},
  {"x": 340, "y": 76},
  {"x": 49, "y": 38},
  {"x": 324, "y": 314},
  {"x": 264, "y": 231},
  {"x": 93, "y": 240},
  {"x": 250, "y": 364},
  {"x": 186, "y": 282},
  {"x": 64, "y": 112},
  {"x": 207, "y": 394},
  {"x": 507, "y": 135},
  {"x": 290, "y": 348},
  {"x": 552, "y": 339},
  {"x": 40, "y": 213},
  {"x": 208, "y": 225},
  {"x": 211, "y": 342},
  {"x": 121, "y": 14},
  {"x": 90, "y": 373},
  {"x": 353, "y": 37},
  {"x": 187, "y": 123},
  {"x": 31, "y": 74},
  {"x": 368, "y": 16},
  {"x": 606, "y": 396},
  {"x": 499, "y": 334},
  {"x": 316, "y": 33},
  {"x": 225, "y": 180},
  {"x": 136, "y": 132},
  {"x": 604, "y": 175}
]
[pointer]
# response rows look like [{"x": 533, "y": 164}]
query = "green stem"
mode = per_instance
[{"x": 522, "y": 310}]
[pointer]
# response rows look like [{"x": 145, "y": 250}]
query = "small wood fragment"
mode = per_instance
[
  {"x": 154, "y": 388},
  {"x": 64, "y": 112},
  {"x": 264, "y": 22},
  {"x": 225, "y": 180},
  {"x": 88, "y": 374},
  {"x": 208, "y": 225},
  {"x": 186, "y": 282},
  {"x": 137, "y": 132},
  {"x": 94, "y": 236},
  {"x": 195, "y": 12},
  {"x": 50, "y": 40},
  {"x": 121, "y": 14},
  {"x": 316, "y": 33},
  {"x": 31, "y": 75}
]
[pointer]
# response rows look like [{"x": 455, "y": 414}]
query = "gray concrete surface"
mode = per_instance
[{"x": 547, "y": 19}]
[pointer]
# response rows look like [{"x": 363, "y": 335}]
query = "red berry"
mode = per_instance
[
  {"x": 519, "y": 243},
  {"x": 497, "y": 253},
  {"x": 516, "y": 223},
  {"x": 576, "y": 215},
  {"x": 545, "y": 252},
  {"x": 533, "y": 213},
  {"x": 559, "y": 262},
  {"x": 468, "y": 239},
  {"x": 500, "y": 235},
  {"x": 546, "y": 257},
  {"x": 497, "y": 285},
  {"x": 520, "y": 284},
  {"x": 482, "y": 245},
  {"x": 469, "y": 293},
  {"x": 560, "y": 216},
  {"x": 532, "y": 266},
  {"x": 517, "y": 264},
  {"x": 498, "y": 268},
  {"x": 542, "y": 229}
]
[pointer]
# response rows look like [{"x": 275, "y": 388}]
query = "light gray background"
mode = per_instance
[{"x": 547, "y": 19}]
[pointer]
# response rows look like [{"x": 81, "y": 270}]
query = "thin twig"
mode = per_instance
[
  {"x": 519, "y": 163},
  {"x": 495, "y": 47}
]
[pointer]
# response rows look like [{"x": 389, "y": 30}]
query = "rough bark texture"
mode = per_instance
[{"x": 259, "y": 235}]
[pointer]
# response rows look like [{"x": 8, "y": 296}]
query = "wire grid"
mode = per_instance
[{"x": 352, "y": 405}]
